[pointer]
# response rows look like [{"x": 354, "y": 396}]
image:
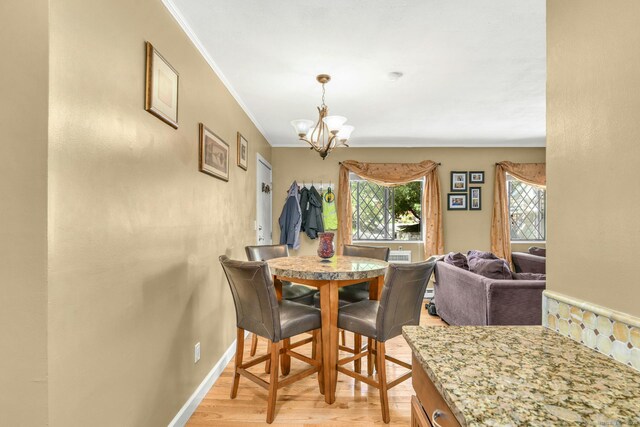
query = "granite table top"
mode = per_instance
[
  {"x": 525, "y": 375},
  {"x": 335, "y": 268}
]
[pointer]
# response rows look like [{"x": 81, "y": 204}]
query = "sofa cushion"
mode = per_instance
[
  {"x": 480, "y": 254},
  {"x": 490, "y": 268},
  {"x": 529, "y": 276},
  {"x": 534, "y": 250},
  {"x": 457, "y": 259}
]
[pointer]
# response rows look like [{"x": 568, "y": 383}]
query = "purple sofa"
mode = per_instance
[
  {"x": 529, "y": 263},
  {"x": 466, "y": 298}
]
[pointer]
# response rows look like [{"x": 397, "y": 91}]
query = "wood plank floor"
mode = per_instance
[{"x": 301, "y": 404}]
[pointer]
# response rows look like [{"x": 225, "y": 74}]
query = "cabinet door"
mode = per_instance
[{"x": 418, "y": 416}]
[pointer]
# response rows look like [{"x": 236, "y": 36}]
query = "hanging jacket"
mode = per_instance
[
  {"x": 314, "y": 224},
  {"x": 329, "y": 214},
  {"x": 304, "y": 207},
  {"x": 290, "y": 219}
]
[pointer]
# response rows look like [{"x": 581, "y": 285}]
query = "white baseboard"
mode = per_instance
[{"x": 192, "y": 403}]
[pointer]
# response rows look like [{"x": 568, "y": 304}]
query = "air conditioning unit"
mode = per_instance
[{"x": 400, "y": 257}]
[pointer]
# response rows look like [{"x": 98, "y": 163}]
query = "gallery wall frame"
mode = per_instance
[
  {"x": 162, "y": 83},
  {"x": 214, "y": 154}
]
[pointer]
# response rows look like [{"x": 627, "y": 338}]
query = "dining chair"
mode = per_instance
[
  {"x": 357, "y": 292},
  {"x": 290, "y": 292},
  {"x": 259, "y": 311},
  {"x": 379, "y": 321}
]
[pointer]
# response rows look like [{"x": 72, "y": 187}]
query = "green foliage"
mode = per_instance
[{"x": 407, "y": 200}]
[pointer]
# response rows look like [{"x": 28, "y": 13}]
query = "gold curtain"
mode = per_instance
[
  {"x": 390, "y": 175},
  {"x": 530, "y": 173}
]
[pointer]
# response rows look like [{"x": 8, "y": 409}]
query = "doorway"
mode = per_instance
[{"x": 264, "y": 201}]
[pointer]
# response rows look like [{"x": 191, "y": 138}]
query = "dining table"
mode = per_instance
[{"x": 327, "y": 275}]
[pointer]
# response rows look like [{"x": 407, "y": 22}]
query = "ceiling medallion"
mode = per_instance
[{"x": 329, "y": 132}]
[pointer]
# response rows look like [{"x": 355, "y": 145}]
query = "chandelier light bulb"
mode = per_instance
[
  {"x": 302, "y": 126},
  {"x": 345, "y": 133},
  {"x": 334, "y": 123}
]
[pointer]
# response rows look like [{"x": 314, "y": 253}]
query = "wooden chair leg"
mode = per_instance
[
  {"x": 285, "y": 360},
  {"x": 267, "y": 366},
  {"x": 239, "y": 354},
  {"x": 369, "y": 357},
  {"x": 382, "y": 380},
  {"x": 343, "y": 334},
  {"x": 254, "y": 345},
  {"x": 317, "y": 355},
  {"x": 357, "y": 347},
  {"x": 273, "y": 381}
]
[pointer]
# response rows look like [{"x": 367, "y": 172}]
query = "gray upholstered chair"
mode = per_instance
[
  {"x": 357, "y": 292},
  {"x": 382, "y": 320},
  {"x": 259, "y": 311},
  {"x": 290, "y": 292}
]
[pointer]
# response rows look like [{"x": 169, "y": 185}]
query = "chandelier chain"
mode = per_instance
[{"x": 323, "y": 104}]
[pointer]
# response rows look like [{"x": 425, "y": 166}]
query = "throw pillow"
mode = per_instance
[
  {"x": 457, "y": 259},
  {"x": 490, "y": 268},
  {"x": 534, "y": 250},
  {"x": 480, "y": 254},
  {"x": 529, "y": 276}
]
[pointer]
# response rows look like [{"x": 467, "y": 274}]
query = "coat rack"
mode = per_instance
[{"x": 322, "y": 186}]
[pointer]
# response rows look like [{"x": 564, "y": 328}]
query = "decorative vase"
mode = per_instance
[{"x": 325, "y": 245}]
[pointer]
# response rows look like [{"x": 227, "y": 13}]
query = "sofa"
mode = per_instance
[
  {"x": 534, "y": 261},
  {"x": 466, "y": 298}
]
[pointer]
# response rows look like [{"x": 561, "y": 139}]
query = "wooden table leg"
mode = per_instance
[
  {"x": 375, "y": 287},
  {"x": 285, "y": 359},
  {"x": 375, "y": 291},
  {"x": 329, "y": 312}
]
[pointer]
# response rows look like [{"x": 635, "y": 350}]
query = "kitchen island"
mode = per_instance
[{"x": 516, "y": 375}]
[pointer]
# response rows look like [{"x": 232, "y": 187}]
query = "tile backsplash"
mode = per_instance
[{"x": 610, "y": 332}]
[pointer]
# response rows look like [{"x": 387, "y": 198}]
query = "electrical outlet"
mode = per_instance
[{"x": 196, "y": 353}]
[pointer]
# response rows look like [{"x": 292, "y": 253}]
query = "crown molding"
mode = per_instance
[
  {"x": 182, "y": 22},
  {"x": 390, "y": 142}
]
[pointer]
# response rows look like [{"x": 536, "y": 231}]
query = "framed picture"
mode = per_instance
[
  {"x": 476, "y": 177},
  {"x": 161, "y": 88},
  {"x": 458, "y": 181},
  {"x": 475, "y": 198},
  {"x": 243, "y": 152},
  {"x": 457, "y": 202},
  {"x": 214, "y": 154}
]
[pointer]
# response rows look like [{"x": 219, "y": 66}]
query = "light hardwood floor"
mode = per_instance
[{"x": 301, "y": 404}]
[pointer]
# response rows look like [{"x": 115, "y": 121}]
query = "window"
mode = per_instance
[
  {"x": 527, "y": 211},
  {"x": 384, "y": 213}
]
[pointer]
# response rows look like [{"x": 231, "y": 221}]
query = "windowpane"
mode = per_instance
[
  {"x": 527, "y": 211},
  {"x": 383, "y": 213}
]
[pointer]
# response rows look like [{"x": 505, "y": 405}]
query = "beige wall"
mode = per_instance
[
  {"x": 135, "y": 229},
  {"x": 463, "y": 230},
  {"x": 593, "y": 126},
  {"x": 23, "y": 212}
]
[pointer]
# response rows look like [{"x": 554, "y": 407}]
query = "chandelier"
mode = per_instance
[{"x": 329, "y": 132}]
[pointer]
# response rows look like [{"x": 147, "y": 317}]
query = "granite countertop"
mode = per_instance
[
  {"x": 335, "y": 268},
  {"x": 525, "y": 375}
]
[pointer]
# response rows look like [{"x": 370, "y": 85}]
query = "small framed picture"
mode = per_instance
[
  {"x": 476, "y": 177},
  {"x": 214, "y": 154},
  {"x": 161, "y": 88},
  {"x": 457, "y": 202},
  {"x": 458, "y": 181},
  {"x": 243, "y": 152},
  {"x": 475, "y": 198}
]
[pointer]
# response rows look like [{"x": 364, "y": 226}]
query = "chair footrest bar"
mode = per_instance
[
  {"x": 399, "y": 380},
  {"x": 262, "y": 383},
  {"x": 301, "y": 342},
  {"x": 398, "y": 362},
  {"x": 298, "y": 376},
  {"x": 255, "y": 361},
  {"x": 358, "y": 377},
  {"x": 351, "y": 359},
  {"x": 304, "y": 358}
]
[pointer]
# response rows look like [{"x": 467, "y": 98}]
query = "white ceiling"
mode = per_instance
[{"x": 474, "y": 70}]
